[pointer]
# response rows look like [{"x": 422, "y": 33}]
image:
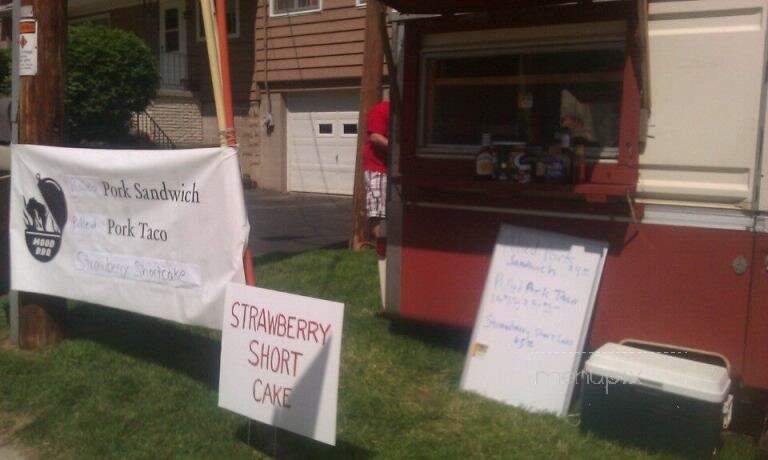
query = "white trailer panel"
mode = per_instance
[{"x": 706, "y": 66}]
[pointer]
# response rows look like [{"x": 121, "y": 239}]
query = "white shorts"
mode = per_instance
[{"x": 375, "y": 194}]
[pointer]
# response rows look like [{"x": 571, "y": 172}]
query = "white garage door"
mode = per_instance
[{"x": 322, "y": 141}]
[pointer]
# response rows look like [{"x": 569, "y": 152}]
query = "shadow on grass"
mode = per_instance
[
  {"x": 278, "y": 256},
  {"x": 272, "y": 257},
  {"x": 182, "y": 350},
  {"x": 172, "y": 346},
  {"x": 455, "y": 338},
  {"x": 344, "y": 244},
  {"x": 279, "y": 443}
]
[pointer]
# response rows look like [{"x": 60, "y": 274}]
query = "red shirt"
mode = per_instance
[{"x": 374, "y": 157}]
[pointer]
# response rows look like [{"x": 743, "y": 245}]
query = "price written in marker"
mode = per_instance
[{"x": 533, "y": 318}]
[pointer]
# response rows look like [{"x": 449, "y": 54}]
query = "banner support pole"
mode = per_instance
[
  {"x": 230, "y": 134},
  {"x": 218, "y": 59}
]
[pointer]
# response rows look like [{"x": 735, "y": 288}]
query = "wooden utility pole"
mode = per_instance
[
  {"x": 41, "y": 121},
  {"x": 370, "y": 95}
]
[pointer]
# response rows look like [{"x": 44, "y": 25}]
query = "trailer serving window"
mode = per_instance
[
  {"x": 524, "y": 96},
  {"x": 566, "y": 90}
]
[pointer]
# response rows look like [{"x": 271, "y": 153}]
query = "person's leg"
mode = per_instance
[
  {"x": 376, "y": 227},
  {"x": 375, "y": 203}
]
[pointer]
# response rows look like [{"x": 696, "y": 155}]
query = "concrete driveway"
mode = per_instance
[{"x": 295, "y": 222}]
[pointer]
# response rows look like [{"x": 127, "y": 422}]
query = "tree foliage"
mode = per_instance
[
  {"x": 111, "y": 74},
  {"x": 5, "y": 71}
]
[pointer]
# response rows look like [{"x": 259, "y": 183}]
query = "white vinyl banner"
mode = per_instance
[
  {"x": 280, "y": 357},
  {"x": 156, "y": 232}
]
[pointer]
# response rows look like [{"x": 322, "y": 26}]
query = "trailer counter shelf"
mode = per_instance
[{"x": 683, "y": 209}]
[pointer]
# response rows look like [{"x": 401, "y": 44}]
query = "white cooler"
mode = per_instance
[{"x": 658, "y": 401}]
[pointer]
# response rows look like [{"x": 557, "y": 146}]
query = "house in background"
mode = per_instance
[
  {"x": 176, "y": 111},
  {"x": 309, "y": 56},
  {"x": 296, "y": 109},
  {"x": 295, "y": 68}
]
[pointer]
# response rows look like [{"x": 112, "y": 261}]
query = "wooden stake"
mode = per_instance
[
  {"x": 370, "y": 95},
  {"x": 41, "y": 121}
]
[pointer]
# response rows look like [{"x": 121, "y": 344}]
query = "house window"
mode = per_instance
[
  {"x": 233, "y": 20},
  {"x": 285, "y": 7},
  {"x": 360, "y": 2},
  {"x": 350, "y": 129},
  {"x": 527, "y": 97},
  {"x": 325, "y": 129},
  {"x": 172, "y": 30}
]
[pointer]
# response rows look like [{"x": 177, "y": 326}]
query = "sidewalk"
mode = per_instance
[
  {"x": 9, "y": 425},
  {"x": 11, "y": 453}
]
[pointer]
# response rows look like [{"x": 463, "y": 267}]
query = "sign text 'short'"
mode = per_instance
[{"x": 280, "y": 360}]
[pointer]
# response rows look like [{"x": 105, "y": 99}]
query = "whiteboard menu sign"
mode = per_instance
[
  {"x": 280, "y": 360},
  {"x": 533, "y": 319}
]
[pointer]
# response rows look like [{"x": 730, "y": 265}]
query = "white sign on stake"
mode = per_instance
[
  {"x": 155, "y": 232},
  {"x": 532, "y": 323},
  {"x": 280, "y": 360},
  {"x": 27, "y": 47}
]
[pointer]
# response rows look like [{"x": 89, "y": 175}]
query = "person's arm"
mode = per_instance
[{"x": 379, "y": 141}]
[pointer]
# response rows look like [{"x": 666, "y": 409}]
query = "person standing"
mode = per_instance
[{"x": 375, "y": 167}]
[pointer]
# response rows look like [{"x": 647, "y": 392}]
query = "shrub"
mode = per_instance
[
  {"x": 111, "y": 73},
  {"x": 5, "y": 71}
]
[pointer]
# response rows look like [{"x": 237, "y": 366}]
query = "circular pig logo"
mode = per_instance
[{"x": 45, "y": 217}]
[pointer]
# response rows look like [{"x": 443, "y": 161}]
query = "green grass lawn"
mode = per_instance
[{"x": 129, "y": 386}]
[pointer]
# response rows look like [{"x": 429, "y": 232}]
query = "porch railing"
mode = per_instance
[{"x": 145, "y": 125}]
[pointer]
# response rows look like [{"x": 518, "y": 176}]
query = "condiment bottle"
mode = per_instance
[
  {"x": 579, "y": 165},
  {"x": 485, "y": 161},
  {"x": 558, "y": 166},
  {"x": 523, "y": 170}
]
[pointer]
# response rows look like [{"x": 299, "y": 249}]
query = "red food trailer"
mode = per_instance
[{"x": 670, "y": 101}]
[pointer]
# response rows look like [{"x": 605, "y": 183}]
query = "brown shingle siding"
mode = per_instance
[
  {"x": 302, "y": 47},
  {"x": 323, "y": 45},
  {"x": 240, "y": 52},
  {"x": 354, "y": 36}
]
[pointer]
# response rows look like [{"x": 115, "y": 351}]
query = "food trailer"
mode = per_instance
[{"x": 654, "y": 115}]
